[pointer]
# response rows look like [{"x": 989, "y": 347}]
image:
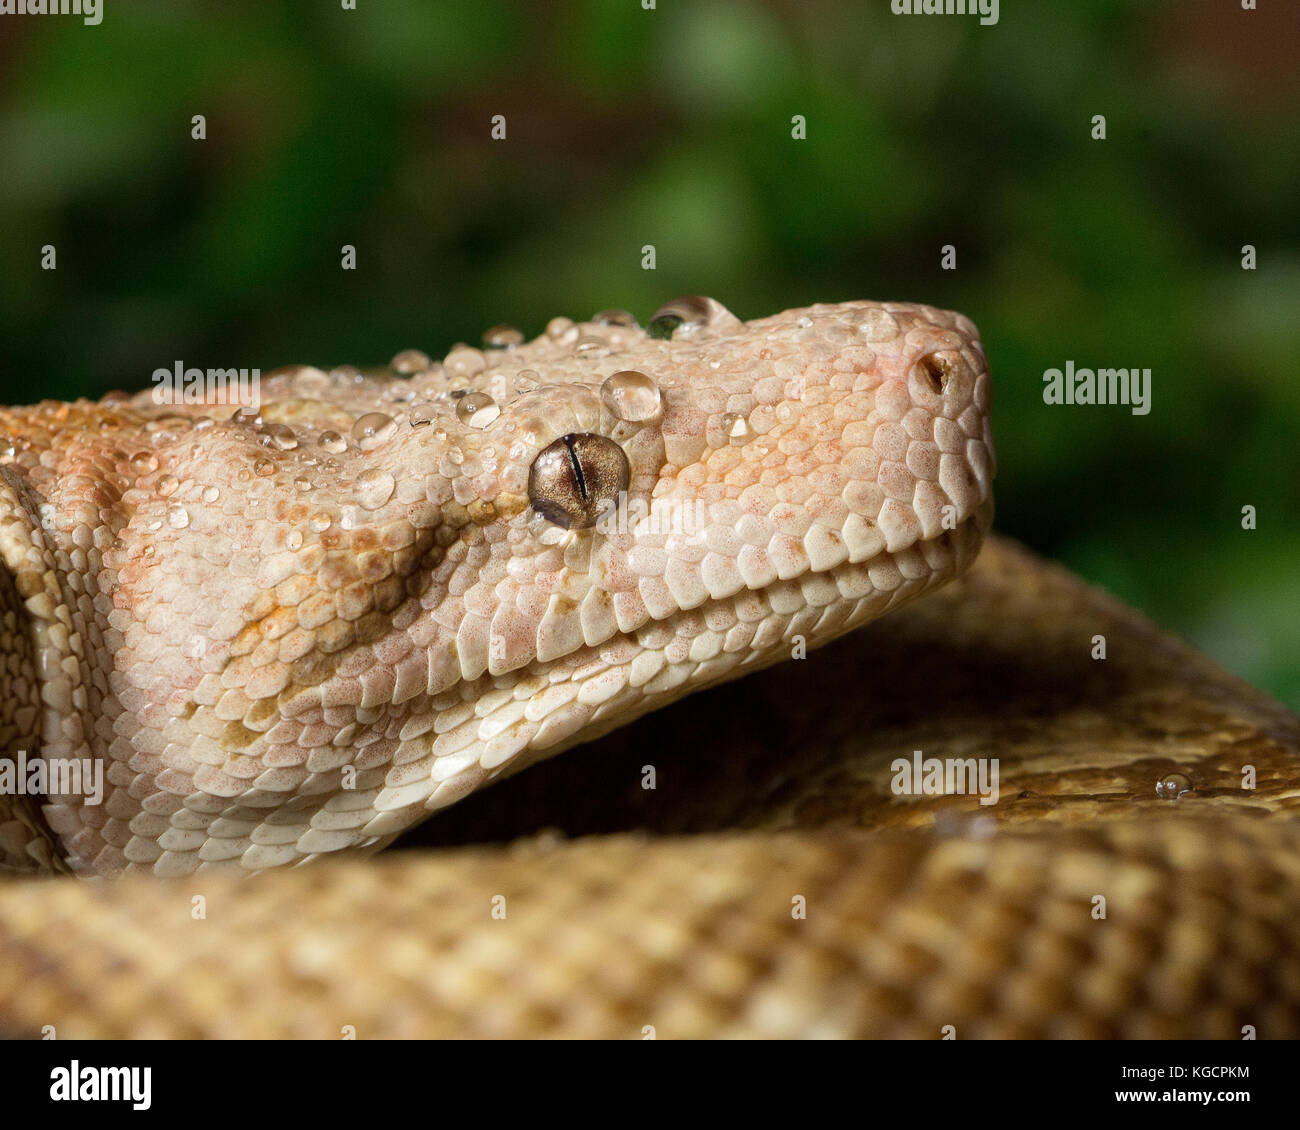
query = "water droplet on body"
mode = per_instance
[{"x": 1173, "y": 785}]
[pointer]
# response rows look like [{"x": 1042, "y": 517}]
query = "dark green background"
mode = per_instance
[{"x": 672, "y": 127}]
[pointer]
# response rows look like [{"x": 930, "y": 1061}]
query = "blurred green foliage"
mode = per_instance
[{"x": 673, "y": 127}]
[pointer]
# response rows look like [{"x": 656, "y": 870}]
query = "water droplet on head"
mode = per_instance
[
  {"x": 282, "y": 436},
  {"x": 878, "y": 325},
  {"x": 464, "y": 361},
  {"x": 591, "y": 346},
  {"x": 346, "y": 375},
  {"x": 166, "y": 427},
  {"x": 663, "y": 327},
  {"x": 167, "y": 485},
  {"x": 211, "y": 494},
  {"x": 246, "y": 415},
  {"x": 477, "y": 409},
  {"x": 421, "y": 414},
  {"x": 310, "y": 380},
  {"x": 320, "y": 521},
  {"x": 1173, "y": 785},
  {"x": 303, "y": 483},
  {"x": 142, "y": 462},
  {"x": 294, "y": 539},
  {"x": 631, "y": 396},
  {"x": 373, "y": 430},
  {"x": 264, "y": 467},
  {"x": 562, "y": 330},
  {"x": 374, "y": 488},
  {"x": 333, "y": 442},
  {"x": 502, "y": 337},
  {"x": 689, "y": 313},
  {"x": 736, "y": 428},
  {"x": 409, "y": 361},
  {"x": 178, "y": 517},
  {"x": 620, "y": 318}
]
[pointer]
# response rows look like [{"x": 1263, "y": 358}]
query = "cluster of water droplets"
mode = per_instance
[{"x": 469, "y": 384}]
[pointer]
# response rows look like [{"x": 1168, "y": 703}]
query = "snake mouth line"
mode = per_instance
[
  {"x": 583, "y": 696},
  {"x": 955, "y": 548},
  {"x": 691, "y": 649},
  {"x": 855, "y": 584}
]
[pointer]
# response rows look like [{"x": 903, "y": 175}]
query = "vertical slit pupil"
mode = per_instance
[{"x": 577, "y": 467}]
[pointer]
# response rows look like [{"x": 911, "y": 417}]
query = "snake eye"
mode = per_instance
[{"x": 574, "y": 479}]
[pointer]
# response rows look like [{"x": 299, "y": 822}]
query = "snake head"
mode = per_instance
[{"x": 302, "y": 626}]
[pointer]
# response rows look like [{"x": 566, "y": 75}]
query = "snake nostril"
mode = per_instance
[{"x": 936, "y": 371}]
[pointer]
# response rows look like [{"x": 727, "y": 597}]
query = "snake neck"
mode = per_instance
[{"x": 27, "y": 629}]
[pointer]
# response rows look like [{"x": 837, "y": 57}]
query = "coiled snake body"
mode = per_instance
[{"x": 290, "y": 635}]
